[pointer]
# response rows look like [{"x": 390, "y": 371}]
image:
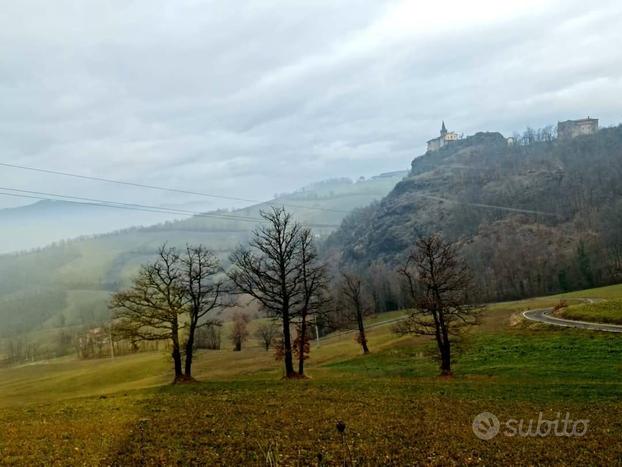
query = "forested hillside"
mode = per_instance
[
  {"x": 541, "y": 216},
  {"x": 68, "y": 284}
]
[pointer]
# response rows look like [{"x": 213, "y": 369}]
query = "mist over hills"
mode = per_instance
[
  {"x": 69, "y": 283},
  {"x": 48, "y": 221},
  {"x": 531, "y": 218}
]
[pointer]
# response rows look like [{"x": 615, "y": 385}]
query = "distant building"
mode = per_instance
[
  {"x": 573, "y": 128},
  {"x": 446, "y": 137}
]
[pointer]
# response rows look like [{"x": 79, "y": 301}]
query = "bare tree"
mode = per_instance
[
  {"x": 199, "y": 270},
  {"x": 239, "y": 331},
  {"x": 351, "y": 287},
  {"x": 208, "y": 337},
  {"x": 151, "y": 308},
  {"x": 266, "y": 333},
  {"x": 269, "y": 271},
  {"x": 439, "y": 283},
  {"x": 313, "y": 282},
  {"x": 174, "y": 293}
]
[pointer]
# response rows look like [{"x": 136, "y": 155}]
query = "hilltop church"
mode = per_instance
[
  {"x": 565, "y": 130},
  {"x": 446, "y": 137}
]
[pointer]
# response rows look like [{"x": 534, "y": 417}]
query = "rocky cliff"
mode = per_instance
[{"x": 529, "y": 209}]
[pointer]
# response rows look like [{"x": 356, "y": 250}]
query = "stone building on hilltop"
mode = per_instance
[
  {"x": 573, "y": 128},
  {"x": 446, "y": 137}
]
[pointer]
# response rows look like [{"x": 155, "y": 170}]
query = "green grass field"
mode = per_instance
[
  {"x": 609, "y": 311},
  {"x": 396, "y": 409}
]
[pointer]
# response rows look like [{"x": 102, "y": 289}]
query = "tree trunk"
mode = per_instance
[
  {"x": 287, "y": 347},
  {"x": 362, "y": 337},
  {"x": 446, "y": 359},
  {"x": 189, "y": 351},
  {"x": 446, "y": 351},
  {"x": 238, "y": 345},
  {"x": 176, "y": 354},
  {"x": 301, "y": 349}
]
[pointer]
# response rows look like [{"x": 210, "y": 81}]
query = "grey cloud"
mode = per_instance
[{"x": 232, "y": 96}]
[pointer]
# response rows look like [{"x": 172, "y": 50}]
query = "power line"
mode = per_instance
[
  {"x": 138, "y": 207},
  {"x": 130, "y": 205},
  {"x": 175, "y": 190},
  {"x": 41, "y": 198},
  {"x": 488, "y": 206},
  {"x": 120, "y": 182},
  {"x": 160, "y": 188},
  {"x": 133, "y": 206}
]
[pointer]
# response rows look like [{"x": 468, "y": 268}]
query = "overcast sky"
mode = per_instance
[{"x": 249, "y": 98}]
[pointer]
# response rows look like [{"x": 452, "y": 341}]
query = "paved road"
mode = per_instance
[{"x": 543, "y": 315}]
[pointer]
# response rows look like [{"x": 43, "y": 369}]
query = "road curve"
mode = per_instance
[{"x": 542, "y": 315}]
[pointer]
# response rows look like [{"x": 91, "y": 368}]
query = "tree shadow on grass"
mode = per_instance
[
  {"x": 205, "y": 423},
  {"x": 246, "y": 422}
]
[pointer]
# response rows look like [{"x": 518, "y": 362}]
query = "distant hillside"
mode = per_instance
[
  {"x": 531, "y": 219},
  {"x": 69, "y": 283},
  {"x": 44, "y": 222}
]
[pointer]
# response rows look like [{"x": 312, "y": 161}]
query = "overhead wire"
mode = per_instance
[
  {"x": 161, "y": 188},
  {"x": 237, "y": 217},
  {"x": 16, "y": 192}
]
